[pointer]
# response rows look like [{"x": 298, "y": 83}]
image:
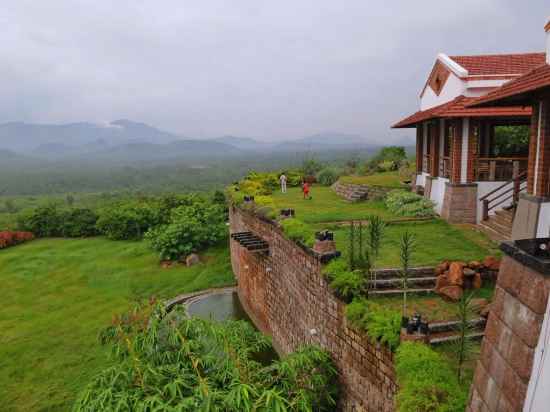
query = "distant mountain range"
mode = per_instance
[{"x": 125, "y": 140}]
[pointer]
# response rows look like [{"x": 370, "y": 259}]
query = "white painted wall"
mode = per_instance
[
  {"x": 543, "y": 229},
  {"x": 538, "y": 395},
  {"x": 421, "y": 179},
  {"x": 453, "y": 87},
  {"x": 485, "y": 187},
  {"x": 438, "y": 192}
]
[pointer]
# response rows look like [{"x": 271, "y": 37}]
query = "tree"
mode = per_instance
[
  {"x": 463, "y": 347},
  {"x": 406, "y": 249},
  {"x": 375, "y": 236},
  {"x": 511, "y": 141}
]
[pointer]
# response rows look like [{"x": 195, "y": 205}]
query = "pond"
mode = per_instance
[{"x": 227, "y": 306}]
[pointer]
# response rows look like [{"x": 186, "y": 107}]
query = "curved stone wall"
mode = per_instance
[
  {"x": 356, "y": 193},
  {"x": 288, "y": 298}
]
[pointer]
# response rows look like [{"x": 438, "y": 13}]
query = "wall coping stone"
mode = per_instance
[{"x": 540, "y": 265}]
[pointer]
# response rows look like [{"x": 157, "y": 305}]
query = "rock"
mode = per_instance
[
  {"x": 452, "y": 292},
  {"x": 192, "y": 259},
  {"x": 474, "y": 264},
  {"x": 165, "y": 264},
  {"x": 441, "y": 282},
  {"x": 479, "y": 304},
  {"x": 491, "y": 263},
  {"x": 442, "y": 268},
  {"x": 468, "y": 272},
  {"x": 477, "y": 282},
  {"x": 456, "y": 274}
]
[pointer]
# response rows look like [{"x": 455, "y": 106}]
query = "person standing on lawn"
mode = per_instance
[
  {"x": 282, "y": 179},
  {"x": 305, "y": 189}
]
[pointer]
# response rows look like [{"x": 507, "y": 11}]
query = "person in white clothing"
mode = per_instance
[{"x": 283, "y": 183}]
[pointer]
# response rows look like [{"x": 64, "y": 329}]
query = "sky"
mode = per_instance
[{"x": 270, "y": 70}]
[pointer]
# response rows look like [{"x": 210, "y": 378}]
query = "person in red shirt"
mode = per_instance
[{"x": 305, "y": 189}]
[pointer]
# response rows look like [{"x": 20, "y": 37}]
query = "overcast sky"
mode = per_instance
[{"x": 265, "y": 69}]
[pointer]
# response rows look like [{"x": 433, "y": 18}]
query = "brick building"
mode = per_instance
[{"x": 457, "y": 166}]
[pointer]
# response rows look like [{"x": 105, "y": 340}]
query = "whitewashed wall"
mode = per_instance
[
  {"x": 438, "y": 192},
  {"x": 486, "y": 187},
  {"x": 543, "y": 229}
]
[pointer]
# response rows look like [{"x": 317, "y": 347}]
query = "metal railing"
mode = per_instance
[{"x": 509, "y": 190}]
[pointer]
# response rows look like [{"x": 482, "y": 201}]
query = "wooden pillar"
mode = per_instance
[
  {"x": 434, "y": 141},
  {"x": 541, "y": 149},
  {"x": 473, "y": 144},
  {"x": 456, "y": 150},
  {"x": 419, "y": 148}
]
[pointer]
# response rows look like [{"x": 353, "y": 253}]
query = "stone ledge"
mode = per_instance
[{"x": 540, "y": 265}]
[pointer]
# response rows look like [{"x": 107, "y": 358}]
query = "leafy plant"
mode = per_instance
[
  {"x": 169, "y": 362},
  {"x": 427, "y": 383},
  {"x": 347, "y": 285},
  {"x": 405, "y": 203},
  {"x": 79, "y": 222},
  {"x": 44, "y": 221},
  {"x": 128, "y": 219},
  {"x": 328, "y": 176},
  {"x": 190, "y": 229},
  {"x": 463, "y": 348},
  {"x": 406, "y": 249},
  {"x": 375, "y": 232},
  {"x": 298, "y": 231},
  {"x": 379, "y": 322}
]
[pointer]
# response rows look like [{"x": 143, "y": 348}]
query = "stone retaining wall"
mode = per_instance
[
  {"x": 287, "y": 297},
  {"x": 355, "y": 192}
]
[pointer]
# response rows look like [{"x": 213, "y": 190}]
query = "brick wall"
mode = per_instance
[
  {"x": 511, "y": 335},
  {"x": 456, "y": 150},
  {"x": 419, "y": 146},
  {"x": 434, "y": 150},
  {"x": 460, "y": 203},
  {"x": 287, "y": 297},
  {"x": 473, "y": 137}
]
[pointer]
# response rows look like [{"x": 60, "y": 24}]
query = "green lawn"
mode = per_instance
[
  {"x": 435, "y": 241},
  {"x": 58, "y": 293},
  {"x": 384, "y": 179},
  {"x": 327, "y": 206}
]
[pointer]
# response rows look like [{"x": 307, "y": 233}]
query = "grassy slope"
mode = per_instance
[
  {"x": 326, "y": 206},
  {"x": 57, "y": 295},
  {"x": 385, "y": 179}
]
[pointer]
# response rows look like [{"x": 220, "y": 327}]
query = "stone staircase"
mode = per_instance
[
  {"x": 498, "y": 226},
  {"x": 388, "y": 282},
  {"x": 445, "y": 332}
]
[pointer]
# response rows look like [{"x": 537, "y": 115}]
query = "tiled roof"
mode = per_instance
[
  {"x": 459, "y": 108},
  {"x": 514, "y": 91},
  {"x": 500, "y": 64}
]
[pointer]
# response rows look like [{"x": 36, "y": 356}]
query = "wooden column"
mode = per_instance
[
  {"x": 456, "y": 150},
  {"x": 435, "y": 129},
  {"x": 419, "y": 148},
  {"x": 473, "y": 144}
]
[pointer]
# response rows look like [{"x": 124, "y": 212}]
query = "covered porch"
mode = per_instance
[{"x": 470, "y": 162}]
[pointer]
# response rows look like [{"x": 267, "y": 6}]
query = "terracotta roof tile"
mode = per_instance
[
  {"x": 500, "y": 64},
  {"x": 511, "y": 92},
  {"x": 459, "y": 107}
]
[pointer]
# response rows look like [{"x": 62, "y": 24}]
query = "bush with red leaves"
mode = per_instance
[{"x": 8, "y": 238}]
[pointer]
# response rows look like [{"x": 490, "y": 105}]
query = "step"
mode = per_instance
[
  {"x": 399, "y": 292},
  {"x": 397, "y": 282},
  {"x": 449, "y": 326},
  {"x": 493, "y": 235},
  {"x": 505, "y": 231},
  {"x": 392, "y": 273},
  {"x": 505, "y": 214},
  {"x": 446, "y": 337}
]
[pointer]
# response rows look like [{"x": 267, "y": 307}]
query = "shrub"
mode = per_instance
[
  {"x": 298, "y": 231},
  {"x": 190, "y": 229},
  {"x": 190, "y": 364},
  {"x": 8, "y": 238},
  {"x": 78, "y": 223},
  {"x": 43, "y": 221},
  {"x": 128, "y": 220},
  {"x": 379, "y": 322},
  {"x": 347, "y": 285},
  {"x": 426, "y": 381},
  {"x": 405, "y": 203},
  {"x": 328, "y": 176}
]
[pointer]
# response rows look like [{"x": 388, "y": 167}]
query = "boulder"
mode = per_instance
[
  {"x": 491, "y": 263},
  {"x": 477, "y": 282},
  {"x": 441, "y": 282},
  {"x": 165, "y": 264},
  {"x": 442, "y": 268},
  {"x": 453, "y": 293},
  {"x": 474, "y": 264},
  {"x": 192, "y": 259},
  {"x": 456, "y": 273},
  {"x": 468, "y": 272},
  {"x": 485, "y": 311}
]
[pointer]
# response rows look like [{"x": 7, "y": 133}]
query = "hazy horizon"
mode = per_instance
[{"x": 271, "y": 71}]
